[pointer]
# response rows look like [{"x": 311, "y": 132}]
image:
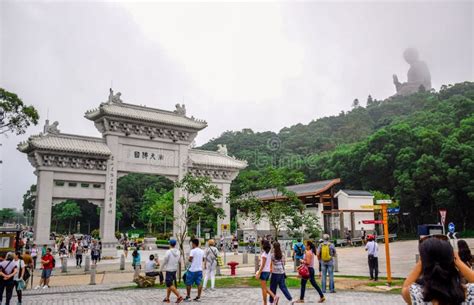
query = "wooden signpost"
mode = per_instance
[{"x": 384, "y": 204}]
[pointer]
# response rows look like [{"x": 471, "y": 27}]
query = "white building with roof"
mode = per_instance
[{"x": 355, "y": 200}]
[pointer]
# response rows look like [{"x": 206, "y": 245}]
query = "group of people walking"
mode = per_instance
[{"x": 272, "y": 268}]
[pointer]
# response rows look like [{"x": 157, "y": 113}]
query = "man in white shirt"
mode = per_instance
[
  {"x": 150, "y": 268},
  {"x": 194, "y": 273},
  {"x": 373, "y": 253},
  {"x": 170, "y": 266}
]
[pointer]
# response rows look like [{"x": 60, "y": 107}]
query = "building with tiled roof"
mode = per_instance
[{"x": 135, "y": 139}]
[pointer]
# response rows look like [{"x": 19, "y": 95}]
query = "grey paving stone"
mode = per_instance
[{"x": 244, "y": 296}]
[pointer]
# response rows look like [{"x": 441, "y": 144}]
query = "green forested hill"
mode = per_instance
[{"x": 419, "y": 149}]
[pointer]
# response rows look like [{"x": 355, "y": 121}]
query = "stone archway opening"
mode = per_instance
[
  {"x": 145, "y": 204},
  {"x": 73, "y": 216}
]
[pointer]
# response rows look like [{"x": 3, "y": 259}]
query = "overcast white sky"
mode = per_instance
[{"x": 259, "y": 65}]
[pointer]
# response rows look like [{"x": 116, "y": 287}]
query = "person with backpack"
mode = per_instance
[
  {"x": 326, "y": 252},
  {"x": 263, "y": 273},
  {"x": 8, "y": 269},
  {"x": 170, "y": 266},
  {"x": 48, "y": 263},
  {"x": 309, "y": 261},
  {"x": 298, "y": 251},
  {"x": 18, "y": 278},
  {"x": 210, "y": 264},
  {"x": 278, "y": 276}
]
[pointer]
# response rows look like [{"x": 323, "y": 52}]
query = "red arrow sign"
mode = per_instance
[{"x": 368, "y": 222}]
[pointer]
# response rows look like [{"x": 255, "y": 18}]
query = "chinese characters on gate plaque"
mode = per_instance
[{"x": 145, "y": 155}]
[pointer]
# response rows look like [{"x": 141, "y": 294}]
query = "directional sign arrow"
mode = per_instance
[
  {"x": 371, "y": 207},
  {"x": 369, "y": 222}
]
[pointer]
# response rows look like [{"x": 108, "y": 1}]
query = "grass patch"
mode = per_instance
[
  {"x": 291, "y": 282},
  {"x": 379, "y": 283}
]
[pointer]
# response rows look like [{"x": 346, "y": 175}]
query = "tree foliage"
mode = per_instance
[
  {"x": 6, "y": 214},
  {"x": 157, "y": 209},
  {"x": 418, "y": 149},
  {"x": 131, "y": 191},
  {"x": 15, "y": 116},
  {"x": 67, "y": 211},
  {"x": 198, "y": 199},
  {"x": 278, "y": 211}
]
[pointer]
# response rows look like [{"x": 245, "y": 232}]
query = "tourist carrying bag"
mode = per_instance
[
  {"x": 219, "y": 261},
  {"x": 303, "y": 271}
]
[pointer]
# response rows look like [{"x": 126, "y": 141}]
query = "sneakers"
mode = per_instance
[
  {"x": 321, "y": 300},
  {"x": 45, "y": 287},
  {"x": 187, "y": 299},
  {"x": 165, "y": 300},
  {"x": 37, "y": 287},
  {"x": 179, "y": 300}
]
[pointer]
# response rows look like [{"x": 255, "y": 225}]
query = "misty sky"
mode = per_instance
[{"x": 237, "y": 65}]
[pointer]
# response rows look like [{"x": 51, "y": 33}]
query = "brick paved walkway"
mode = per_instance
[{"x": 244, "y": 296}]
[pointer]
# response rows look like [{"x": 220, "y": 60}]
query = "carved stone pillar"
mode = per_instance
[
  {"x": 108, "y": 210},
  {"x": 178, "y": 222},
  {"x": 43, "y": 206},
  {"x": 225, "y": 205}
]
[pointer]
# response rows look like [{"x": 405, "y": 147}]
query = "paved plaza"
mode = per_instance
[
  {"x": 241, "y": 296},
  {"x": 73, "y": 288},
  {"x": 351, "y": 260}
]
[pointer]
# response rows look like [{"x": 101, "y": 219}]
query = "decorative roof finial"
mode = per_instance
[
  {"x": 52, "y": 129},
  {"x": 180, "y": 109},
  {"x": 222, "y": 149},
  {"x": 114, "y": 98}
]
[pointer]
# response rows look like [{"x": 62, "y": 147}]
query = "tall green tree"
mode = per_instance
[
  {"x": 281, "y": 209},
  {"x": 157, "y": 209},
  {"x": 130, "y": 194},
  {"x": 7, "y": 214},
  {"x": 198, "y": 198},
  {"x": 15, "y": 116},
  {"x": 67, "y": 211}
]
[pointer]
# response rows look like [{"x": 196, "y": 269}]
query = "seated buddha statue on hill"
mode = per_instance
[{"x": 418, "y": 76}]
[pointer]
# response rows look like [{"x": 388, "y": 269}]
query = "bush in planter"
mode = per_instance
[
  {"x": 118, "y": 235},
  {"x": 95, "y": 233},
  {"x": 162, "y": 242}
]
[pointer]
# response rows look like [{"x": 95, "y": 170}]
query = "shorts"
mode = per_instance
[
  {"x": 46, "y": 273},
  {"x": 193, "y": 278},
  {"x": 94, "y": 257},
  {"x": 170, "y": 278},
  {"x": 264, "y": 276}
]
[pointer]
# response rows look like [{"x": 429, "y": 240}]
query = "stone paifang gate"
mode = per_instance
[{"x": 135, "y": 139}]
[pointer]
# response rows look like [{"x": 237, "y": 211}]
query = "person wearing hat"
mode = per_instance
[
  {"x": 373, "y": 253},
  {"x": 170, "y": 266}
]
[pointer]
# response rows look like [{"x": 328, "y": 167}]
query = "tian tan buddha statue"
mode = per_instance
[{"x": 418, "y": 75}]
